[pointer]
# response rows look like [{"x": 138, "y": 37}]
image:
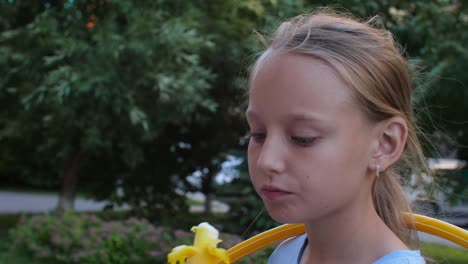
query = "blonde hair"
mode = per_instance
[{"x": 370, "y": 62}]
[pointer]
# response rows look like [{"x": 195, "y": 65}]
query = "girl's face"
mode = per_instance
[{"x": 309, "y": 149}]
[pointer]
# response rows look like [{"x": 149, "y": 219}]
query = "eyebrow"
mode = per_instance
[
  {"x": 305, "y": 117},
  {"x": 302, "y": 116}
]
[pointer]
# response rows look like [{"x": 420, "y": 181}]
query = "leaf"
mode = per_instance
[
  {"x": 137, "y": 116},
  {"x": 58, "y": 57}
]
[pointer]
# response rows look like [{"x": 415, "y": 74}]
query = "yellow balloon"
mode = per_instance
[{"x": 421, "y": 223}]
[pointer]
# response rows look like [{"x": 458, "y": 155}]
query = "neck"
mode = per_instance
[{"x": 354, "y": 235}]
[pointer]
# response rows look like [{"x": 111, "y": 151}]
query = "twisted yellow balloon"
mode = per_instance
[{"x": 421, "y": 223}]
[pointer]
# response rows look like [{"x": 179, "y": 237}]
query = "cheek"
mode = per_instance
[
  {"x": 333, "y": 162},
  {"x": 347, "y": 164},
  {"x": 355, "y": 151},
  {"x": 252, "y": 157}
]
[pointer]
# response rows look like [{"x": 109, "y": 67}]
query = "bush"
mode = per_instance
[
  {"x": 79, "y": 238},
  {"x": 84, "y": 238}
]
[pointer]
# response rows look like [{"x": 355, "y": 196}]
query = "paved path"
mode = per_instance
[
  {"x": 14, "y": 202},
  {"x": 216, "y": 206},
  {"x": 17, "y": 202}
]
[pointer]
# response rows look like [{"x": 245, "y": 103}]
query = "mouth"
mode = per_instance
[{"x": 274, "y": 193}]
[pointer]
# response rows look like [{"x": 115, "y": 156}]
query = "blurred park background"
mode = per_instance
[{"x": 121, "y": 122}]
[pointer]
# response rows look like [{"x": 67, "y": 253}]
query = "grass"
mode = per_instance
[
  {"x": 445, "y": 254},
  {"x": 12, "y": 258},
  {"x": 7, "y": 221},
  {"x": 6, "y": 256}
]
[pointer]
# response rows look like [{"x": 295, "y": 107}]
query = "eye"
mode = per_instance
[
  {"x": 303, "y": 141},
  {"x": 257, "y": 137}
]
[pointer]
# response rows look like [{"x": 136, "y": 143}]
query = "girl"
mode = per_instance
[{"x": 330, "y": 117}]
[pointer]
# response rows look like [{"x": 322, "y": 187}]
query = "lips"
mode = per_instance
[{"x": 274, "y": 193}]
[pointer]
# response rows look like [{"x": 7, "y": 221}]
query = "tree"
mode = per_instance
[{"x": 98, "y": 81}]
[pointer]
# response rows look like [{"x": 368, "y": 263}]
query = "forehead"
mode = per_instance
[{"x": 288, "y": 83}]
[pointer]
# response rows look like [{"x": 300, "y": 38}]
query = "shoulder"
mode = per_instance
[
  {"x": 402, "y": 257},
  {"x": 288, "y": 251}
]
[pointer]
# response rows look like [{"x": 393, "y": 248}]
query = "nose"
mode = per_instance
[{"x": 271, "y": 157}]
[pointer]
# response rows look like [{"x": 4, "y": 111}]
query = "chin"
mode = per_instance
[{"x": 283, "y": 216}]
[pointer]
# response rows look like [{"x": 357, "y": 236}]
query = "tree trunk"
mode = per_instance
[
  {"x": 208, "y": 199},
  {"x": 207, "y": 190},
  {"x": 69, "y": 180}
]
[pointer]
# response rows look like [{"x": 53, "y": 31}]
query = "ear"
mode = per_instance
[{"x": 390, "y": 142}]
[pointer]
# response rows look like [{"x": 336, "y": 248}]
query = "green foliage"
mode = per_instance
[
  {"x": 455, "y": 186},
  {"x": 73, "y": 238},
  {"x": 105, "y": 79}
]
